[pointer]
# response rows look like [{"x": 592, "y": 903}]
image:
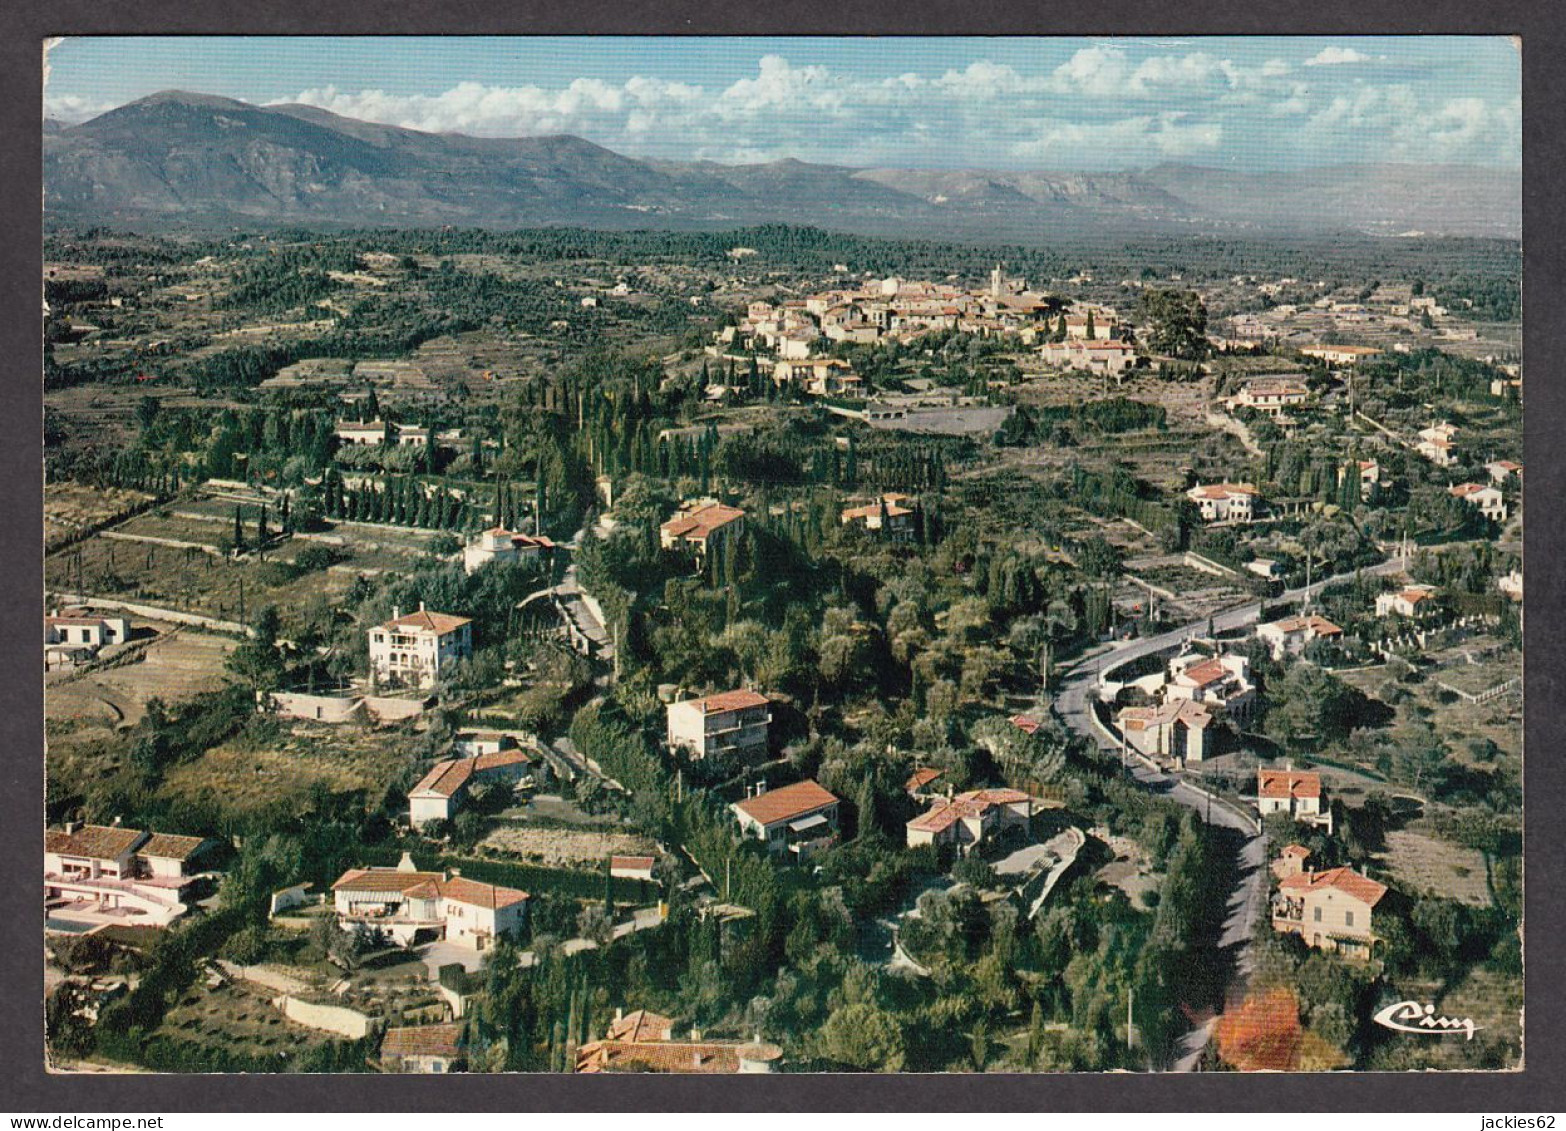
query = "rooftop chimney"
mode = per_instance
[
  {"x": 396, "y": 612},
  {"x": 406, "y": 864}
]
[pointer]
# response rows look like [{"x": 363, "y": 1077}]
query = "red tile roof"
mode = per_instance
[
  {"x": 96, "y": 842},
  {"x": 439, "y": 623},
  {"x": 384, "y": 880},
  {"x": 787, "y": 803},
  {"x": 1223, "y": 490},
  {"x": 641, "y": 1025},
  {"x": 475, "y": 893},
  {"x": 922, "y": 777},
  {"x": 1204, "y": 673},
  {"x": 1344, "y": 879},
  {"x": 729, "y": 701},
  {"x": 1025, "y": 723},
  {"x": 669, "y": 1056},
  {"x": 697, "y": 524},
  {"x": 423, "y": 1040},
  {"x": 1288, "y": 783},
  {"x": 166, "y": 846},
  {"x": 1295, "y": 850},
  {"x": 446, "y": 778}
]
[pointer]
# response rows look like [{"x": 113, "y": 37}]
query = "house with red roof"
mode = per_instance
[
  {"x": 731, "y": 724},
  {"x": 440, "y": 793},
  {"x": 1289, "y": 636},
  {"x": 1176, "y": 730},
  {"x": 969, "y": 819},
  {"x": 644, "y": 1041},
  {"x": 1291, "y": 861},
  {"x": 701, "y": 526},
  {"x": 1488, "y": 500},
  {"x": 414, "y": 651},
  {"x": 921, "y": 782},
  {"x": 1332, "y": 910},
  {"x": 1297, "y": 793},
  {"x": 403, "y": 903},
  {"x": 95, "y": 874},
  {"x": 891, "y": 515},
  {"x": 1270, "y": 395},
  {"x": 1221, "y": 682},
  {"x": 1225, "y": 502},
  {"x": 497, "y": 544},
  {"x": 423, "y": 1048},
  {"x": 1409, "y": 601},
  {"x": 798, "y": 819}
]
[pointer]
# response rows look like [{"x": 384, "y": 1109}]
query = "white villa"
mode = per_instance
[
  {"x": 1225, "y": 502},
  {"x": 1488, "y": 500},
  {"x": 403, "y": 901},
  {"x": 1289, "y": 636},
  {"x": 729, "y": 724},
  {"x": 969, "y": 819},
  {"x": 74, "y": 639},
  {"x": 1176, "y": 729},
  {"x": 498, "y": 544},
  {"x": 1295, "y": 792},
  {"x": 413, "y": 650},
  {"x": 1222, "y": 681}
]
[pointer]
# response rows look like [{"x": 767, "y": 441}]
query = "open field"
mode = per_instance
[
  {"x": 240, "y": 1019},
  {"x": 185, "y": 580},
  {"x": 1424, "y": 863},
  {"x": 242, "y": 778},
  {"x": 70, "y": 508},
  {"x": 566, "y": 848},
  {"x": 177, "y": 665}
]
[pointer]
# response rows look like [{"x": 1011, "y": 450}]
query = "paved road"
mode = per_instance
[{"x": 1073, "y": 705}]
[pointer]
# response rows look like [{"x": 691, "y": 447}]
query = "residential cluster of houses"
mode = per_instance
[
  {"x": 1333, "y": 909},
  {"x": 797, "y": 331},
  {"x": 101, "y": 874},
  {"x": 1187, "y": 698}
]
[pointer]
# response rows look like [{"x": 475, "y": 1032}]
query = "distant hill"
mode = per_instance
[{"x": 202, "y": 160}]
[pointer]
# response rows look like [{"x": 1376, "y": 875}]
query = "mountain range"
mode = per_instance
[{"x": 194, "y": 160}]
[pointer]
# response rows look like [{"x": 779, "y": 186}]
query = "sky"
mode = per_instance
[{"x": 1252, "y": 103}]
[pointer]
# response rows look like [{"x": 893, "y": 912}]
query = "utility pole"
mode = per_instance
[{"x": 1130, "y": 1030}]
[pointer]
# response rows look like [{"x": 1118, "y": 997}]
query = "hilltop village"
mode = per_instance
[{"x": 778, "y": 651}]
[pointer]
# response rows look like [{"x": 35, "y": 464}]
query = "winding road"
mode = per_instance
[{"x": 1074, "y": 706}]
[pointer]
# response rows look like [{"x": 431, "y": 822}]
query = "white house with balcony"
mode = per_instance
[
  {"x": 729, "y": 724},
  {"x": 1225, "y": 502},
  {"x": 108, "y": 874},
  {"x": 413, "y": 651}
]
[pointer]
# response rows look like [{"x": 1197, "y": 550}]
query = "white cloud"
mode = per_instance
[
  {"x": 1148, "y": 137},
  {"x": 1102, "y": 108},
  {"x": 73, "y": 107},
  {"x": 1337, "y": 56}
]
